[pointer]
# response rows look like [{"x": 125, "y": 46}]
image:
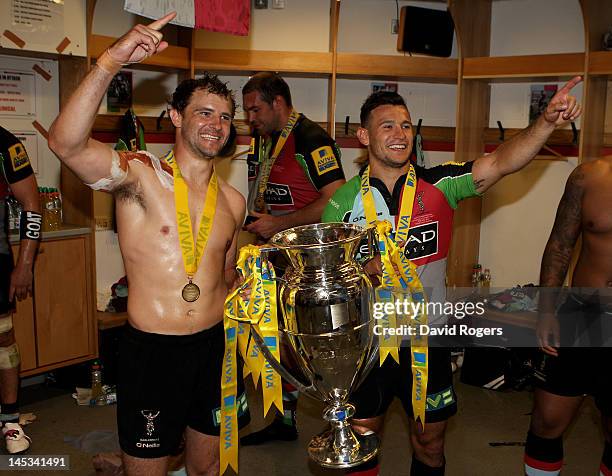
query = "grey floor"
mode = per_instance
[{"x": 484, "y": 417}]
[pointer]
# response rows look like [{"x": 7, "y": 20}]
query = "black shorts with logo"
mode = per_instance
[
  {"x": 578, "y": 371},
  {"x": 6, "y": 268},
  {"x": 391, "y": 380},
  {"x": 167, "y": 383}
]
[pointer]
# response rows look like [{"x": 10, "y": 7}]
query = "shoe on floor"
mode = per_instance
[
  {"x": 16, "y": 440},
  {"x": 276, "y": 431}
]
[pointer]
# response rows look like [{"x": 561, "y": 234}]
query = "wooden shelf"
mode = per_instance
[
  {"x": 252, "y": 61},
  {"x": 401, "y": 67},
  {"x": 112, "y": 123},
  {"x": 559, "y": 138},
  {"x": 173, "y": 57},
  {"x": 600, "y": 62},
  {"x": 529, "y": 67}
]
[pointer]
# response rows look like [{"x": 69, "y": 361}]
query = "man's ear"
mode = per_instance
[
  {"x": 176, "y": 118},
  {"x": 278, "y": 102},
  {"x": 363, "y": 136}
]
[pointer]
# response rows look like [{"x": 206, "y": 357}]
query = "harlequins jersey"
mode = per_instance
[
  {"x": 309, "y": 160},
  {"x": 439, "y": 189},
  {"x": 14, "y": 166}
]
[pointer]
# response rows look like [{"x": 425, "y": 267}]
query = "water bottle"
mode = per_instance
[
  {"x": 486, "y": 281},
  {"x": 97, "y": 397}
]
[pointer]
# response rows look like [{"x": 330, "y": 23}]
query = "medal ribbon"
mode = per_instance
[
  {"x": 400, "y": 273},
  {"x": 266, "y": 163},
  {"x": 241, "y": 317},
  {"x": 192, "y": 252}
]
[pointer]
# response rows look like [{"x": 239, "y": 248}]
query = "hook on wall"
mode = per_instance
[
  {"x": 159, "y": 119},
  {"x": 502, "y": 131},
  {"x": 418, "y": 130},
  {"x": 574, "y": 134}
]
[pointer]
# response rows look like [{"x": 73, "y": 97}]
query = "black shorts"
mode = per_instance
[
  {"x": 167, "y": 383},
  {"x": 577, "y": 371},
  {"x": 391, "y": 380},
  {"x": 6, "y": 268}
]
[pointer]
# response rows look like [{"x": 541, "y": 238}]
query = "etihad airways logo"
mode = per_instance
[
  {"x": 278, "y": 194},
  {"x": 422, "y": 241}
]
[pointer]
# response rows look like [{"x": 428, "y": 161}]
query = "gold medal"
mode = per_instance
[
  {"x": 191, "y": 292},
  {"x": 191, "y": 249}
]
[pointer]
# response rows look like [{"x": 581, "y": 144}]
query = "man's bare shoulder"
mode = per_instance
[
  {"x": 593, "y": 170},
  {"x": 235, "y": 199}
]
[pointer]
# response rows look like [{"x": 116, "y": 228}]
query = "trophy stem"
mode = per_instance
[{"x": 340, "y": 447}]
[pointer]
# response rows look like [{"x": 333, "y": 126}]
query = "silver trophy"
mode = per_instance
[{"x": 326, "y": 326}]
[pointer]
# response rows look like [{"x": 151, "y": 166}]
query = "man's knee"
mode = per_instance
[
  {"x": 365, "y": 425},
  {"x": 429, "y": 445},
  {"x": 9, "y": 351},
  {"x": 208, "y": 468}
]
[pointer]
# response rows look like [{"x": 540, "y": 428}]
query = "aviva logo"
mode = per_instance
[
  {"x": 270, "y": 343},
  {"x": 324, "y": 159},
  {"x": 419, "y": 359},
  {"x": 230, "y": 334},
  {"x": 229, "y": 403}
]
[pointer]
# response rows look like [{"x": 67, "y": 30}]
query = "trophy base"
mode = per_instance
[{"x": 321, "y": 450}]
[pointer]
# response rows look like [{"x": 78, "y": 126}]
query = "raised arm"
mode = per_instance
[
  {"x": 518, "y": 151},
  {"x": 557, "y": 257},
  {"x": 69, "y": 137}
]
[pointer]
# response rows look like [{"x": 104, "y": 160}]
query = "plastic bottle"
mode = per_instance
[
  {"x": 97, "y": 397},
  {"x": 54, "y": 210},
  {"x": 44, "y": 203},
  {"x": 486, "y": 281},
  {"x": 476, "y": 276}
]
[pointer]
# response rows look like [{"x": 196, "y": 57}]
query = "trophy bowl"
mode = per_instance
[{"x": 326, "y": 325}]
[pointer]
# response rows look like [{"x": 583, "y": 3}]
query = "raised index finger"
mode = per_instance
[
  {"x": 570, "y": 84},
  {"x": 161, "y": 22}
]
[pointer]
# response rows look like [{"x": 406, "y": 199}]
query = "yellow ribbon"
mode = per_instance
[
  {"x": 241, "y": 317},
  {"x": 400, "y": 273},
  {"x": 266, "y": 163},
  {"x": 192, "y": 252}
]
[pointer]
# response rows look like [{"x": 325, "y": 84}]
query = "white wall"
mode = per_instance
[{"x": 518, "y": 212}]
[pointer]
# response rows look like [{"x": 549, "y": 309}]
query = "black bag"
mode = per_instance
[{"x": 497, "y": 368}]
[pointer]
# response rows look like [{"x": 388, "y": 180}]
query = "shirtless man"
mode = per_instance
[
  {"x": 170, "y": 373},
  {"x": 567, "y": 374}
]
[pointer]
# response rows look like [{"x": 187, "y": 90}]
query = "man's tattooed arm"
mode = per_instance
[{"x": 563, "y": 237}]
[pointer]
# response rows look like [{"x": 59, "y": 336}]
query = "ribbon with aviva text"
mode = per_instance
[
  {"x": 243, "y": 315},
  {"x": 399, "y": 273}
]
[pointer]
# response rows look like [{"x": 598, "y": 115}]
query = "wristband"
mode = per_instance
[
  {"x": 107, "y": 63},
  {"x": 30, "y": 225}
]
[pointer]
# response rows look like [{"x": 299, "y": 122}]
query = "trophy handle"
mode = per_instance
[{"x": 309, "y": 390}]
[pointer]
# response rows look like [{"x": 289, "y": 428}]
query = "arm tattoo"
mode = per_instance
[
  {"x": 565, "y": 232},
  {"x": 478, "y": 184}
]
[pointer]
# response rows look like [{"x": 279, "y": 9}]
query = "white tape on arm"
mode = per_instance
[{"x": 118, "y": 174}]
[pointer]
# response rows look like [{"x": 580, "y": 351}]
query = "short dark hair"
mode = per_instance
[
  {"x": 379, "y": 98},
  {"x": 268, "y": 85},
  {"x": 209, "y": 82}
]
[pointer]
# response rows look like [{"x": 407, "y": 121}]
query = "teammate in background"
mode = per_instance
[
  {"x": 172, "y": 351},
  {"x": 383, "y": 191},
  {"x": 568, "y": 374},
  {"x": 15, "y": 281},
  {"x": 294, "y": 165},
  {"x": 294, "y": 168}
]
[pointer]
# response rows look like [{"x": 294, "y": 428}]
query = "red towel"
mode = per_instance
[{"x": 225, "y": 16}]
